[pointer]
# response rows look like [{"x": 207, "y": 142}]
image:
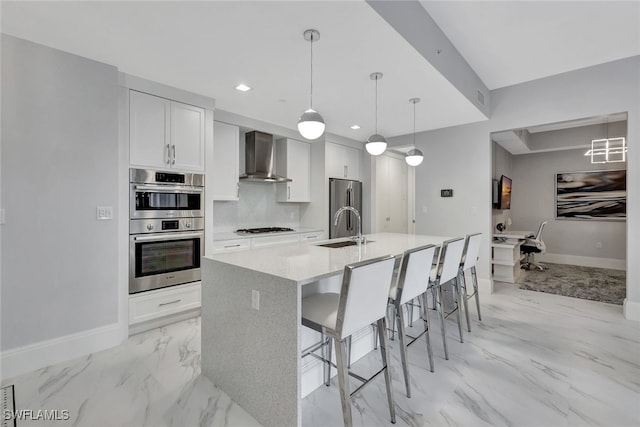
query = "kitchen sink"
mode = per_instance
[{"x": 342, "y": 244}]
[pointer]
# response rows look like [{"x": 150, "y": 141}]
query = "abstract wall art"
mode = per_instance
[{"x": 592, "y": 195}]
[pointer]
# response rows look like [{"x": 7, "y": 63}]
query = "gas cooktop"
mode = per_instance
[{"x": 263, "y": 230}]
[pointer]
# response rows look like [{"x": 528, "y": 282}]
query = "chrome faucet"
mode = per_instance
[{"x": 355, "y": 211}]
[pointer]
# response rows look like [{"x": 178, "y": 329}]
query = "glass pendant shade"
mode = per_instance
[
  {"x": 414, "y": 157},
  {"x": 376, "y": 144},
  {"x": 311, "y": 124}
]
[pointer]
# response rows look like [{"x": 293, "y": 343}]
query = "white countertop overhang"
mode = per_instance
[{"x": 305, "y": 262}]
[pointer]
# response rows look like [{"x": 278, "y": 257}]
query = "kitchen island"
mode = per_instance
[{"x": 251, "y": 307}]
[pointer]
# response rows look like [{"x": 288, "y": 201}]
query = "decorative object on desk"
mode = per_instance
[
  {"x": 596, "y": 195},
  {"x": 447, "y": 192},
  {"x": 596, "y": 284},
  {"x": 500, "y": 227}
]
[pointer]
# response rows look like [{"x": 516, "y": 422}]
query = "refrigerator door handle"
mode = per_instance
[{"x": 349, "y": 213}]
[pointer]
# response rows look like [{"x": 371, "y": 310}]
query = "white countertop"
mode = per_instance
[
  {"x": 307, "y": 262},
  {"x": 231, "y": 235}
]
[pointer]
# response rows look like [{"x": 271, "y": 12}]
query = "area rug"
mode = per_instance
[{"x": 596, "y": 284}]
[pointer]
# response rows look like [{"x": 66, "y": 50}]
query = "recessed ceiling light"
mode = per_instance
[
  {"x": 243, "y": 87},
  {"x": 355, "y": 127}
]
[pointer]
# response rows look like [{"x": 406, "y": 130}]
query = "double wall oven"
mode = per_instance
[{"x": 166, "y": 228}]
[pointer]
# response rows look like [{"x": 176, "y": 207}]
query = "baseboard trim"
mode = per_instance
[
  {"x": 631, "y": 309},
  {"x": 35, "y": 356},
  {"x": 612, "y": 263}
]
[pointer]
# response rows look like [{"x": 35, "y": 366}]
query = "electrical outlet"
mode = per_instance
[
  {"x": 598, "y": 245},
  {"x": 255, "y": 299},
  {"x": 104, "y": 213},
  {"x": 424, "y": 209},
  {"x": 1, "y": 216}
]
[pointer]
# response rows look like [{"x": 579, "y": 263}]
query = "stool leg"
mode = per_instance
[
  {"x": 326, "y": 355},
  {"x": 456, "y": 289},
  {"x": 375, "y": 336},
  {"x": 349, "y": 351},
  {"x": 411, "y": 313},
  {"x": 384, "y": 345},
  {"x": 343, "y": 381},
  {"x": 403, "y": 349},
  {"x": 463, "y": 285},
  {"x": 474, "y": 276},
  {"x": 394, "y": 313},
  {"x": 427, "y": 325},
  {"x": 443, "y": 327}
]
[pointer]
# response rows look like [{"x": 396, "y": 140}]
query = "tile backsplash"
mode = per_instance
[{"x": 257, "y": 207}]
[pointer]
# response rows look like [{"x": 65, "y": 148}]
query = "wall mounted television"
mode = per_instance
[{"x": 504, "y": 193}]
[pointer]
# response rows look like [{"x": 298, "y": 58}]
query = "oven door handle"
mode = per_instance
[
  {"x": 168, "y": 236},
  {"x": 166, "y": 188}
]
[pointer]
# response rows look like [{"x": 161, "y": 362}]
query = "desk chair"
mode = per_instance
[{"x": 532, "y": 247}]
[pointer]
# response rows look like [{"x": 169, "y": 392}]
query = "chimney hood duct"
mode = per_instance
[{"x": 259, "y": 158}]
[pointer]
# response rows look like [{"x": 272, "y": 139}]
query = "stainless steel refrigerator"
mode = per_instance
[{"x": 344, "y": 192}]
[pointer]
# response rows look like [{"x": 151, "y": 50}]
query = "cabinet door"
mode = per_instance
[
  {"x": 397, "y": 195},
  {"x": 226, "y": 161},
  {"x": 342, "y": 161},
  {"x": 335, "y": 165},
  {"x": 293, "y": 160},
  {"x": 352, "y": 159},
  {"x": 391, "y": 194},
  {"x": 187, "y": 137},
  {"x": 149, "y": 118}
]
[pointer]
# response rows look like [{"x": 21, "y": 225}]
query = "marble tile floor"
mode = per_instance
[{"x": 536, "y": 360}]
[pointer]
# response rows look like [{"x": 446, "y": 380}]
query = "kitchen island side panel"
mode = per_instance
[{"x": 239, "y": 353}]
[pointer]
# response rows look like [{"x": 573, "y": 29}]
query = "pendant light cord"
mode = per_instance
[
  {"x": 414, "y": 125},
  {"x": 376, "y": 105},
  {"x": 311, "y": 95}
]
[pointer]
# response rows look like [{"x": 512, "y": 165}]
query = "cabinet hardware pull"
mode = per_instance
[
  {"x": 311, "y": 237},
  {"x": 346, "y": 171},
  {"x": 173, "y": 161},
  {"x": 168, "y": 154},
  {"x": 288, "y": 193},
  {"x": 232, "y": 246},
  {"x": 170, "y": 302}
]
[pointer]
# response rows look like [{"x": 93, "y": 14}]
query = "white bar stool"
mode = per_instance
[
  {"x": 447, "y": 273},
  {"x": 469, "y": 261},
  {"x": 362, "y": 301},
  {"x": 413, "y": 281}
]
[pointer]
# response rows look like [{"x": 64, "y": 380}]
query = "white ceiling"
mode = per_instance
[
  {"x": 510, "y": 42},
  {"x": 208, "y": 47}
]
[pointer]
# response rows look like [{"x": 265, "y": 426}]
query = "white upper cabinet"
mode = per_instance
[
  {"x": 226, "y": 161},
  {"x": 293, "y": 160},
  {"x": 342, "y": 161},
  {"x": 164, "y": 133}
]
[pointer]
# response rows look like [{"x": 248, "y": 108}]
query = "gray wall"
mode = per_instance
[
  {"x": 59, "y": 162},
  {"x": 460, "y": 157},
  {"x": 533, "y": 199}
]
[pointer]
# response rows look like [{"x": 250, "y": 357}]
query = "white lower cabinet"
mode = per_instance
[
  {"x": 261, "y": 242},
  {"x": 163, "y": 302},
  {"x": 314, "y": 235},
  {"x": 220, "y": 246}
]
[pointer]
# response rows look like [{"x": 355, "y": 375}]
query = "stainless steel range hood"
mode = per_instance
[{"x": 259, "y": 158}]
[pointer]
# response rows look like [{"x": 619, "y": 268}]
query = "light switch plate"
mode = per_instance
[{"x": 104, "y": 213}]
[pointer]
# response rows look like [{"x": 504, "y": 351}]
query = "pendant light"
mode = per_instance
[
  {"x": 311, "y": 124},
  {"x": 414, "y": 156},
  {"x": 376, "y": 144}
]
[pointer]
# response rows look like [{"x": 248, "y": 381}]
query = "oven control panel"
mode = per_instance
[{"x": 144, "y": 226}]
